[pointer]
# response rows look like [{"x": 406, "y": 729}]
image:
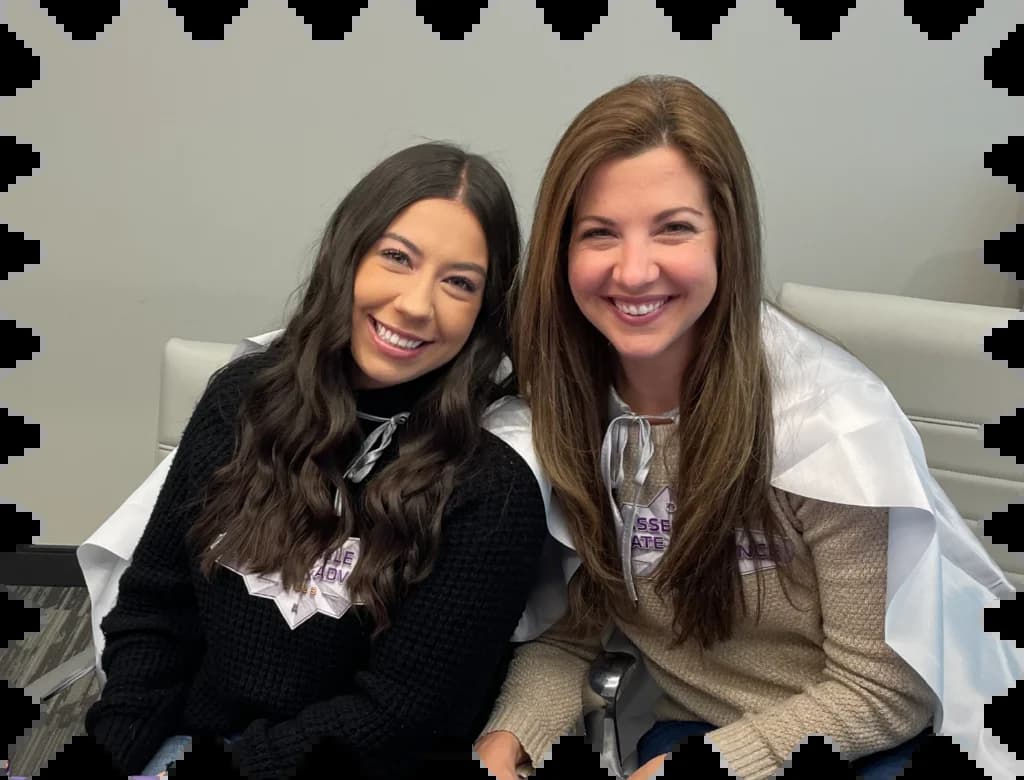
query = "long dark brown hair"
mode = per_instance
[
  {"x": 297, "y": 431},
  {"x": 565, "y": 369}
]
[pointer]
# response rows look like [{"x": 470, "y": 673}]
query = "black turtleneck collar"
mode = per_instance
[
  {"x": 384, "y": 401},
  {"x": 391, "y": 400}
]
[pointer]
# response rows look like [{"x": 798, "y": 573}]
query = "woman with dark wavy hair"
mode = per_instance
[{"x": 340, "y": 553}]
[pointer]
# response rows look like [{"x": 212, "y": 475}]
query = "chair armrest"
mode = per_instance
[{"x": 608, "y": 676}]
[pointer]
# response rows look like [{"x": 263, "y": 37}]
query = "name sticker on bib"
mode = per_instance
[
  {"x": 325, "y": 591},
  {"x": 652, "y": 530},
  {"x": 753, "y": 554}
]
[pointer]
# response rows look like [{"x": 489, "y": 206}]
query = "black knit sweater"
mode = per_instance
[{"x": 185, "y": 655}]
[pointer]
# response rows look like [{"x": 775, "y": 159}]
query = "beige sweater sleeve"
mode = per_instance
[
  {"x": 542, "y": 697},
  {"x": 870, "y": 699}
]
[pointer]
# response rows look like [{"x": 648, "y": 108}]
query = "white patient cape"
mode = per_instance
[{"x": 840, "y": 437}]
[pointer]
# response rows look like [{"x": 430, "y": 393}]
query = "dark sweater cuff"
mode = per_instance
[
  {"x": 262, "y": 756},
  {"x": 129, "y": 741}
]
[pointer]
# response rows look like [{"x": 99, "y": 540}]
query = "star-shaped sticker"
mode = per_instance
[
  {"x": 652, "y": 529},
  {"x": 325, "y": 591}
]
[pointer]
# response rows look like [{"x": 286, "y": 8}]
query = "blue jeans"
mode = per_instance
[
  {"x": 665, "y": 736},
  {"x": 173, "y": 749}
]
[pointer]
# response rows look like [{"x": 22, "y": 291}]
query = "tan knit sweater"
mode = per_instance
[{"x": 819, "y": 667}]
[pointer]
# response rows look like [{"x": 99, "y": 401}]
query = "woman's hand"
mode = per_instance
[
  {"x": 648, "y": 770},
  {"x": 501, "y": 753}
]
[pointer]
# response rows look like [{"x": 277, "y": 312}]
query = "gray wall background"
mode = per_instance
[{"x": 184, "y": 183}]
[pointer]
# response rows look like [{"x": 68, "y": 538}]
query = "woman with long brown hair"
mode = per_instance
[
  {"x": 641, "y": 342},
  {"x": 339, "y": 554}
]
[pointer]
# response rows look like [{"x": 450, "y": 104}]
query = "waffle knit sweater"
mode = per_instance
[
  {"x": 819, "y": 667},
  {"x": 185, "y": 655}
]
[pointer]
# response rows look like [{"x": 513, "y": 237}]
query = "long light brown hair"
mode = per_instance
[
  {"x": 565, "y": 366},
  {"x": 297, "y": 430}
]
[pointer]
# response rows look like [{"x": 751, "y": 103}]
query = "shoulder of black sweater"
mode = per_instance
[
  {"x": 228, "y": 385},
  {"x": 494, "y": 467}
]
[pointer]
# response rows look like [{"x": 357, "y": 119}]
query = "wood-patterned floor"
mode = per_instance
[{"x": 64, "y": 631}]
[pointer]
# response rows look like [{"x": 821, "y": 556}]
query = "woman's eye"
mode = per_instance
[
  {"x": 596, "y": 233},
  {"x": 396, "y": 255},
  {"x": 463, "y": 283},
  {"x": 679, "y": 227}
]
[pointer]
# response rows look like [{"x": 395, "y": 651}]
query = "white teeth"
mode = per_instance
[
  {"x": 638, "y": 310},
  {"x": 394, "y": 339}
]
